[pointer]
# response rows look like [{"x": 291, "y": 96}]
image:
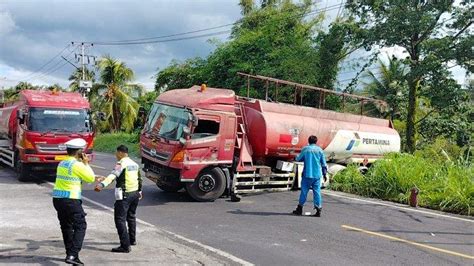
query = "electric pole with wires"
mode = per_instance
[{"x": 85, "y": 84}]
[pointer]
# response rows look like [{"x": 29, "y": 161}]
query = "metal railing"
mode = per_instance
[{"x": 299, "y": 90}]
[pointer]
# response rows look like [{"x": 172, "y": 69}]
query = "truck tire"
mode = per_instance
[
  {"x": 170, "y": 187},
  {"x": 23, "y": 172},
  {"x": 208, "y": 186}
]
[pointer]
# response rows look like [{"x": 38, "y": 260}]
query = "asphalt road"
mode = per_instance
[{"x": 351, "y": 231}]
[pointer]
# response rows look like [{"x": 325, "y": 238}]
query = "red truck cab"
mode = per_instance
[
  {"x": 35, "y": 128},
  {"x": 175, "y": 148}
]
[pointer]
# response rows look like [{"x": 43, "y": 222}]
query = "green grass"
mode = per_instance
[
  {"x": 445, "y": 185},
  {"x": 108, "y": 142}
]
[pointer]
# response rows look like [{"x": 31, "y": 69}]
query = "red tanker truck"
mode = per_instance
[
  {"x": 210, "y": 141},
  {"x": 33, "y": 130}
]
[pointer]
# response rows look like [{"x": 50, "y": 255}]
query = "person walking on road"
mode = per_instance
[
  {"x": 128, "y": 191},
  {"x": 67, "y": 198},
  {"x": 315, "y": 167}
]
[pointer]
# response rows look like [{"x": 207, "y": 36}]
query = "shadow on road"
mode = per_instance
[{"x": 32, "y": 259}]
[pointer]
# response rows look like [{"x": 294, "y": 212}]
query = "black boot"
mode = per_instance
[
  {"x": 121, "y": 250},
  {"x": 299, "y": 210},
  {"x": 73, "y": 260},
  {"x": 318, "y": 212}
]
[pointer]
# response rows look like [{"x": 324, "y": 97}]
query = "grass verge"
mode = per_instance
[
  {"x": 444, "y": 184},
  {"x": 108, "y": 142}
]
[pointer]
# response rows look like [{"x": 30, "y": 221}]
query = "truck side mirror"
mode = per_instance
[
  {"x": 193, "y": 119},
  {"x": 20, "y": 115},
  {"x": 182, "y": 141},
  {"x": 186, "y": 132}
]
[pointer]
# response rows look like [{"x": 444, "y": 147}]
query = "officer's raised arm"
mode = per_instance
[{"x": 111, "y": 177}]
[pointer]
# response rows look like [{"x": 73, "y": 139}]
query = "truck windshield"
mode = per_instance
[
  {"x": 59, "y": 120},
  {"x": 167, "y": 121}
]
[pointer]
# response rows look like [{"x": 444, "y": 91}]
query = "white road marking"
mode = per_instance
[
  {"x": 398, "y": 207},
  {"x": 99, "y": 167}
]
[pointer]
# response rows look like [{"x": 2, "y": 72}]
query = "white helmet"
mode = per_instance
[{"x": 76, "y": 144}]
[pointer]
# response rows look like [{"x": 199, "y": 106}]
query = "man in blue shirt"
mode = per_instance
[{"x": 314, "y": 168}]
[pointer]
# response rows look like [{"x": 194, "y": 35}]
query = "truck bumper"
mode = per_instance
[{"x": 43, "y": 167}]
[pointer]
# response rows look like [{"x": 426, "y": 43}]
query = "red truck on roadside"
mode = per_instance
[
  {"x": 210, "y": 141},
  {"x": 34, "y": 128}
]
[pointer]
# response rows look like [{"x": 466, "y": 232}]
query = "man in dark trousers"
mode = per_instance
[
  {"x": 128, "y": 191},
  {"x": 315, "y": 167},
  {"x": 70, "y": 174}
]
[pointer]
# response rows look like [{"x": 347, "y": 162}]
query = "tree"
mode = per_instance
[
  {"x": 55, "y": 87},
  {"x": 388, "y": 83},
  {"x": 181, "y": 75},
  {"x": 433, "y": 34},
  {"x": 275, "y": 39},
  {"x": 77, "y": 76},
  {"x": 116, "y": 100}
]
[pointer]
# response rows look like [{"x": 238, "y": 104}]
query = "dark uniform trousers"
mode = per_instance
[
  {"x": 72, "y": 219},
  {"x": 125, "y": 213}
]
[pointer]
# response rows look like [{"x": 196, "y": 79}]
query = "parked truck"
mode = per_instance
[
  {"x": 34, "y": 128},
  {"x": 210, "y": 141}
]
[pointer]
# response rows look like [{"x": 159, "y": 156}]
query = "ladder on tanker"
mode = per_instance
[
  {"x": 250, "y": 178},
  {"x": 243, "y": 147}
]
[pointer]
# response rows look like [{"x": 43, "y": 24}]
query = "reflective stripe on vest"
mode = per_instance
[{"x": 67, "y": 185}]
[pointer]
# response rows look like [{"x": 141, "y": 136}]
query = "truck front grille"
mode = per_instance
[
  {"x": 156, "y": 154},
  {"x": 51, "y": 148}
]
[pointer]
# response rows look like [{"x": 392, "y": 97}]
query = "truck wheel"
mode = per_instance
[
  {"x": 208, "y": 186},
  {"x": 169, "y": 187},
  {"x": 23, "y": 172}
]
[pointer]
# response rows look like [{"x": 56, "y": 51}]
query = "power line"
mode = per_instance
[
  {"x": 45, "y": 64},
  {"x": 169, "y": 40},
  {"x": 50, "y": 69},
  {"x": 161, "y": 37},
  {"x": 155, "y": 39}
]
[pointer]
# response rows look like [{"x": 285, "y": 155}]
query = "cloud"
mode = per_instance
[
  {"x": 31, "y": 38},
  {"x": 6, "y": 23}
]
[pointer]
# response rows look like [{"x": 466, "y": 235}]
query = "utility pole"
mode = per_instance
[
  {"x": 83, "y": 65},
  {"x": 84, "y": 84}
]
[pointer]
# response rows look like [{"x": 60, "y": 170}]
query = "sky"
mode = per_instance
[{"x": 34, "y": 32}]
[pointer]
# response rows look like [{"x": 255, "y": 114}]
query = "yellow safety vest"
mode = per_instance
[
  {"x": 126, "y": 174},
  {"x": 69, "y": 177}
]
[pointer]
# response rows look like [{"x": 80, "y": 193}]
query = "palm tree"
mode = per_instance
[
  {"x": 77, "y": 76},
  {"x": 115, "y": 94},
  {"x": 387, "y": 83}
]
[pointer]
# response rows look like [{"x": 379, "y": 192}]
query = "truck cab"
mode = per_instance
[
  {"x": 190, "y": 136},
  {"x": 37, "y": 126}
]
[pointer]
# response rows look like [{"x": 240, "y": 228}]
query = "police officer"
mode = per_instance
[
  {"x": 127, "y": 194},
  {"x": 67, "y": 197}
]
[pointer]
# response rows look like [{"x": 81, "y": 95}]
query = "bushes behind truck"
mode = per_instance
[{"x": 443, "y": 173}]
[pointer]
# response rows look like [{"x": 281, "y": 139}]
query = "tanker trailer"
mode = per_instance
[{"x": 278, "y": 132}]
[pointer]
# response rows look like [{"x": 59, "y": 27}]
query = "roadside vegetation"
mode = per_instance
[
  {"x": 443, "y": 173},
  {"x": 108, "y": 142}
]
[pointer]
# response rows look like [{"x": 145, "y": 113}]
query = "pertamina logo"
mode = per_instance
[{"x": 353, "y": 143}]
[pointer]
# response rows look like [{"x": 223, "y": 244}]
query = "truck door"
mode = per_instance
[{"x": 212, "y": 142}]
